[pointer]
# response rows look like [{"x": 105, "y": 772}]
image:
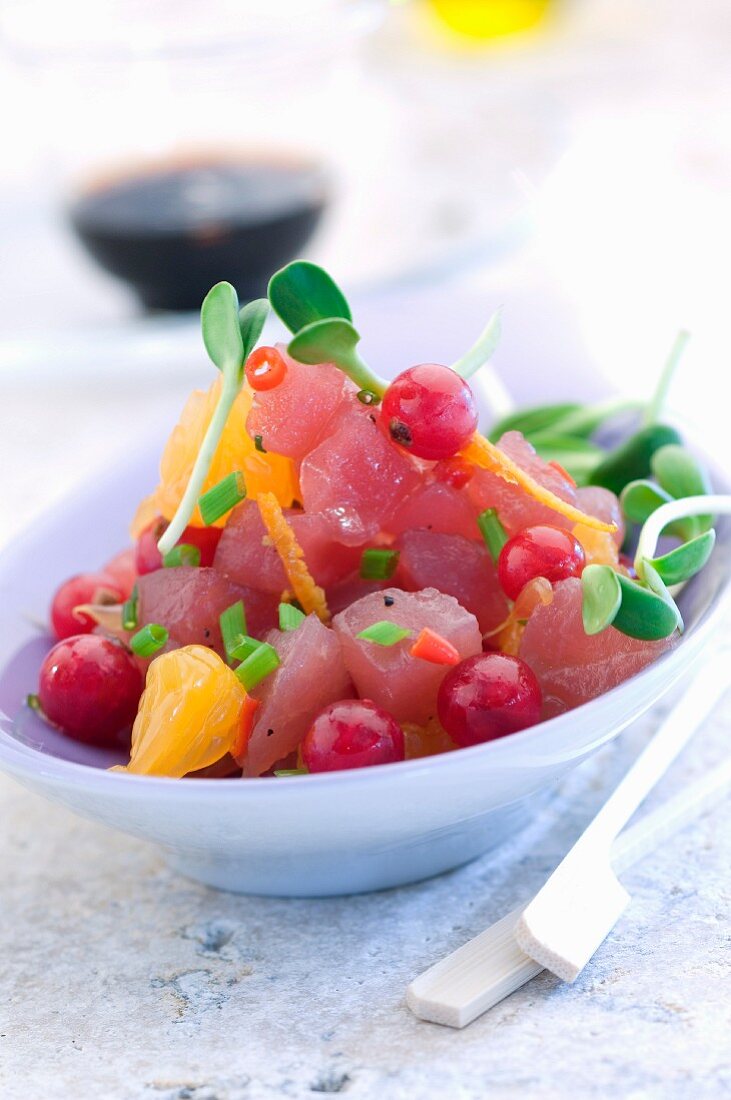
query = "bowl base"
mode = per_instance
[{"x": 335, "y": 873}]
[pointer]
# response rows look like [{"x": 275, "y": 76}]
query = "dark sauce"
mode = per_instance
[{"x": 174, "y": 231}]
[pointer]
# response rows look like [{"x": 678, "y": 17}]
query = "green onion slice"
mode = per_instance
[
  {"x": 492, "y": 532},
  {"x": 263, "y": 661},
  {"x": 233, "y": 626},
  {"x": 368, "y": 397},
  {"x": 378, "y": 565},
  {"x": 222, "y": 497},
  {"x": 290, "y": 617},
  {"x": 34, "y": 703},
  {"x": 259, "y": 444},
  {"x": 284, "y": 773},
  {"x": 149, "y": 640},
  {"x": 384, "y": 633},
  {"x": 242, "y": 647},
  {"x": 182, "y": 554},
  {"x": 129, "y": 611}
]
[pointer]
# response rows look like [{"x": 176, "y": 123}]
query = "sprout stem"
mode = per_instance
[
  {"x": 656, "y": 403},
  {"x": 494, "y": 390},
  {"x": 229, "y": 392},
  {"x": 360, "y": 373}
]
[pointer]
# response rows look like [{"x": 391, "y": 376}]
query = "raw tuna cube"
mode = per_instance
[
  {"x": 328, "y": 561},
  {"x": 245, "y": 553},
  {"x": 353, "y": 588},
  {"x": 571, "y": 666},
  {"x": 603, "y": 504},
  {"x": 356, "y": 477},
  {"x": 515, "y": 507},
  {"x": 439, "y": 508},
  {"x": 457, "y": 566},
  {"x": 311, "y": 675},
  {"x": 406, "y": 686},
  {"x": 294, "y": 416},
  {"x": 188, "y": 601}
]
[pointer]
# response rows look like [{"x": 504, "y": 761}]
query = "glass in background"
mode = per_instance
[{"x": 189, "y": 143}]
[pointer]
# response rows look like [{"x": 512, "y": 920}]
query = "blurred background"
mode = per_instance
[{"x": 569, "y": 160}]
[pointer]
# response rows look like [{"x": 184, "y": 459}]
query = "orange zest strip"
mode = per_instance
[
  {"x": 248, "y": 710},
  {"x": 309, "y": 594},
  {"x": 430, "y": 646},
  {"x": 481, "y": 452}
]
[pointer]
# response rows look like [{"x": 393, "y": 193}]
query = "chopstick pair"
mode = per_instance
[{"x": 567, "y": 920}]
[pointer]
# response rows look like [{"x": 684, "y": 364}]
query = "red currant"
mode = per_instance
[
  {"x": 352, "y": 734},
  {"x": 83, "y": 588},
  {"x": 90, "y": 687},
  {"x": 429, "y": 410},
  {"x": 455, "y": 472},
  {"x": 544, "y": 551},
  {"x": 122, "y": 568},
  {"x": 148, "y": 557},
  {"x": 486, "y": 697}
]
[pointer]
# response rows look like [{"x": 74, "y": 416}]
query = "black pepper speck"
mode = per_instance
[{"x": 400, "y": 433}]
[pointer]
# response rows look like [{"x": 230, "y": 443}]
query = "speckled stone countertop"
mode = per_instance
[{"x": 120, "y": 980}]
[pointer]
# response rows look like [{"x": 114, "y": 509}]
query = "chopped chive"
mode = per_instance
[
  {"x": 34, "y": 703},
  {"x": 384, "y": 633},
  {"x": 492, "y": 532},
  {"x": 233, "y": 626},
  {"x": 259, "y": 444},
  {"x": 368, "y": 397},
  {"x": 148, "y": 640},
  {"x": 290, "y": 617},
  {"x": 242, "y": 646},
  {"x": 183, "y": 554},
  {"x": 257, "y": 665},
  {"x": 129, "y": 611},
  {"x": 283, "y": 773},
  {"x": 378, "y": 565},
  {"x": 222, "y": 497}
]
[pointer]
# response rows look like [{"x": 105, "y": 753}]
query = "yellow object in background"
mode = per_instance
[{"x": 489, "y": 18}]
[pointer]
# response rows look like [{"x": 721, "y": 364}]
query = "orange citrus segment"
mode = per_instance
[
  {"x": 426, "y": 740},
  {"x": 508, "y": 634},
  {"x": 191, "y": 714},
  {"x": 235, "y": 451},
  {"x": 599, "y": 547},
  {"x": 481, "y": 452},
  {"x": 309, "y": 594}
]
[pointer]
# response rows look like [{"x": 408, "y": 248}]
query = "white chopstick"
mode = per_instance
[
  {"x": 491, "y": 966},
  {"x": 576, "y": 909}
]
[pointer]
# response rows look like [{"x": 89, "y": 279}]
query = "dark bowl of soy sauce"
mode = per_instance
[{"x": 173, "y": 230}]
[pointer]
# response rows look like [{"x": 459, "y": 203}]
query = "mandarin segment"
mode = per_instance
[
  {"x": 236, "y": 450},
  {"x": 190, "y": 714}
]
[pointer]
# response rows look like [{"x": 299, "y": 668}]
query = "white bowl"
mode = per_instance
[{"x": 309, "y": 835}]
